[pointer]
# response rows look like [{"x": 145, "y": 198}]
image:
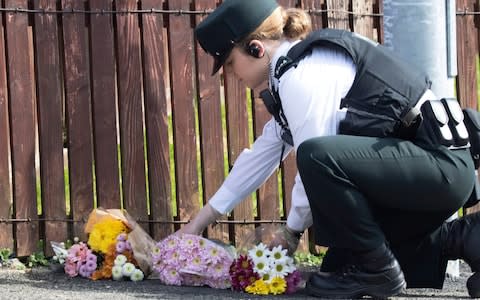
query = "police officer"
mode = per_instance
[{"x": 378, "y": 203}]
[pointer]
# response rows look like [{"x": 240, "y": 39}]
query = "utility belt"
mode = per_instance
[{"x": 442, "y": 123}]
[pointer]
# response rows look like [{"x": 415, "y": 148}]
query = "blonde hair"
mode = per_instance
[{"x": 291, "y": 23}]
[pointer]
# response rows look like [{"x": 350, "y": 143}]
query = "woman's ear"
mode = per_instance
[{"x": 256, "y": 49}]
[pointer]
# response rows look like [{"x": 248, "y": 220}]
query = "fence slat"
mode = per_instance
[
  {"x": 6, "y": 230},
  {"x": 104, "y": 106},
  {"x": 363, "y": 24},
  {"x": 181, "y": 47},
  {"x": 237, "y": 132},
  {"x": 22, "y": 116},
  {"x": 467, "y": 55},
  {"x": 467, "y": 41},
  {"x": 130, "y": 107},
  {"x": 211, "y": 133},
  {"x": 78, "y": 104},
  {"x": 378, "y": 21},
  {"x": 268, "y": 207},
  {"x": 336, "y": 17},
  {"x": 287, "y": 3},
  {"x": 156, "y": 119},
  {"x": 317, "y": 19},
  {"x": 49, "y": 103}
]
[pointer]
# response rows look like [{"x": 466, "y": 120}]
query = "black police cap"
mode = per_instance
[{"x": 231, "y": 22}]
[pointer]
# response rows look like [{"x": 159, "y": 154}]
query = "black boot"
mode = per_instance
[
  {"x": 462, "y": 241},
  {"x": 376, "y": 274}
]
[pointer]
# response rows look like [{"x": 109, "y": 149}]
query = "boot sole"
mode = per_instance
[{"x": 383, "y": 291}]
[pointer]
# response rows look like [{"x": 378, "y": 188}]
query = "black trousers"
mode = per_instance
[{"x": 367, "y": 191}]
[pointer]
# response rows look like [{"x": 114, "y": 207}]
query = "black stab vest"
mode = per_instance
[{"x": 385, "y": 88}]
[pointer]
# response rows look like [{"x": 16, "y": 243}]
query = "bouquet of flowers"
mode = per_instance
[
  {"x": 116, "y": 249},
  {"x": 264, "y": 271},
  {"x": 185, "y": 259}
]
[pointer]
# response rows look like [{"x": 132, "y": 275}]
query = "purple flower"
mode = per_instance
[
  {"x": 292, "y": 279},
  {"x": 91, "y": 265},
  {"x": 84, "y": 272},
  {"x": 91, "y": 257},
  {"x": 191, "y": 260},
  {"x": 122, "y": 237},
  {"x": 120, "y": 246}
]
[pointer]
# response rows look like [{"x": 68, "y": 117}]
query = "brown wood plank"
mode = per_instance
[
  {"x": 156, "y": 120},
  {"x": 378, "y": 23},
  {"x": 268, "y": 205},
  {"x": 363, "y": 24},
  {"x": 104, "y": 118},
  {"x": 181, "y": 48},
  {"x": 78, "y": 109},
  {"x": 211, "y": 133},
  {"x": 237, "y": 132},
  {"x": 6, "y": 230},
  {"x": 22, "y": 123},
  {"x": 467, "y": 49},
  {"x": 337, "y": 18},
  {"x": 131, "y": 117},
  {"x": 317, "y": 18},
  {"x": 287, "y": 3},
  {"x": 50, "y": 131}
]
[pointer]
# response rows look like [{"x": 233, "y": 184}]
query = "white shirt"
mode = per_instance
[{"x": 311, "y": 95}]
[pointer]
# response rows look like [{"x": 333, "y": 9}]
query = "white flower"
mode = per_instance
[
  {"x": 260, "y": 251},
  {"x": 261, "y": 266},
  {"x": 120, "y": 260},
  {"x": 278, "y": 254},
  {"x": 280, "y": 269},
  {"x": 117, "y": 273},
  {"x": 137, "y": 275},
  {"x": 290, "y": 262},
  {"x": 127, "y": 269}
]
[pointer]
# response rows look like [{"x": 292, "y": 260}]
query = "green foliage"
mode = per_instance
[
  {"x": 5, "y": 254},
  {"x": 308, "y": 259},
  {"x": 37, "y": 259}
]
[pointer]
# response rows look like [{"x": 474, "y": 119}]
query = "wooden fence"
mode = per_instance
[{"x": 97, "y": 91}]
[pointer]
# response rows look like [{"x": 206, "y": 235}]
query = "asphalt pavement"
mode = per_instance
[{"x": 45, "y": 283}]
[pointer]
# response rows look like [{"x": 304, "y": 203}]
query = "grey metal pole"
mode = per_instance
[{"x": 423, "y": 32}]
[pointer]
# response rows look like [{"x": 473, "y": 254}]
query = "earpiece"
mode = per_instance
[{"x": 253, "y": 50}]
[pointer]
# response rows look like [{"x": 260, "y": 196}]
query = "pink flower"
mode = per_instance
[
  {"x": 71, "y": 269},
  {"x": 171, "y": 277},
  {"x": 191, "y": 260}
]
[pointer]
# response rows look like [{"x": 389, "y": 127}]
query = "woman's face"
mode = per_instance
[{"x": 252, "y": 71}]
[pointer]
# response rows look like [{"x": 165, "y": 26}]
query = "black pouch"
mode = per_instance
[
  {"x": 455, "y": 122},
  {"x": 472, "y": 123},
  {"x": 434, "y": 129}
]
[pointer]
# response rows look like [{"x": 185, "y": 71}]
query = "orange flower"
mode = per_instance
[{"x": 97, "y": 275}]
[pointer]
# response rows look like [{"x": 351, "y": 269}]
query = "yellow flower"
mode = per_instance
[
  {"x": 259, "y": 287},
  {"x": 104, "y": 234},
  {"x": 277, "y": 285}
]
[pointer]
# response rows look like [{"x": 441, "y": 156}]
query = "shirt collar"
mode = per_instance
[{"x": 281, "y": 51}]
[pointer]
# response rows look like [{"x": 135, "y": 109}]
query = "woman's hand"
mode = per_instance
[
  {"x": 206, "y": 216},
  {"x": 287, "y": 238}
]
